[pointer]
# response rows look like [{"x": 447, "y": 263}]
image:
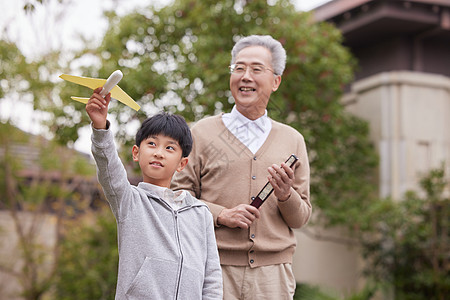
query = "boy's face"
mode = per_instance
[{"x": 159, "y": 156}]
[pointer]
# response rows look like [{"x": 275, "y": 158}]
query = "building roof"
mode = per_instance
[
  {"x": 414, "y": 33},
  {"x": 363, "y": 20},
  {"x": 36, "y": 161}
]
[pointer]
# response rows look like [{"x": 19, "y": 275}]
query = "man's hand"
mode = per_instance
[
  {"x": 97, "y": 109},
  {"x": 241, "y": 216},
  {"x": 281, "y": 179}
]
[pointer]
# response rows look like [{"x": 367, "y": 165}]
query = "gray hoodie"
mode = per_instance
[{"x": 163, "y": 253}]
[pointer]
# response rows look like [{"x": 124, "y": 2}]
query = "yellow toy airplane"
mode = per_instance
[{"x": 109, "y": 85}]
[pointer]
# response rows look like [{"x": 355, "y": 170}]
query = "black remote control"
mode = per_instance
[{"x": 268, "y": 189}]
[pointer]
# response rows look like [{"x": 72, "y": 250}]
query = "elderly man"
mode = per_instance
[{"x": 233, "y": 157}]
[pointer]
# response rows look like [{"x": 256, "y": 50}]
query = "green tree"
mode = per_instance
[
  {"x": 89, "y": 257},
  {"x": 311, "y": 292},
  {"x": 12, "y": 62},
  {"x": 28, "y": 82},
  {"x": 407, "y": 242}
]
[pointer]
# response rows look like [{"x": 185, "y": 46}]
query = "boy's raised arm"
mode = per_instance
[
  {"x": 97, "y": 109},
  {"x": 111, "y": 173}
]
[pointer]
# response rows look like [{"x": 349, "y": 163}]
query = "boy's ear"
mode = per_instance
[
  {"x": 135, "y": 152},
  {"x": 183, "y": 163}
]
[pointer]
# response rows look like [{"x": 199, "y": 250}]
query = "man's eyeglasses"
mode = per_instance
[{"x": 254, "y": 69}]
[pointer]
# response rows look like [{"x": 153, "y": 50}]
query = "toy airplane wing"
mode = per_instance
[
  {"x": 118, "y": 94},
  {"x": 108, "y": 85}
]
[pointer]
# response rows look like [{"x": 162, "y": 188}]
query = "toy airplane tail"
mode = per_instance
[{"x": 80, "y": 99}]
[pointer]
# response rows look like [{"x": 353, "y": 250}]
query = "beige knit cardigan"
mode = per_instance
[{"x": 224, "y": 173}]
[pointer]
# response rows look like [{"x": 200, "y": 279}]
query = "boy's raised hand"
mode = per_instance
[{"x": 97, "y": 109}]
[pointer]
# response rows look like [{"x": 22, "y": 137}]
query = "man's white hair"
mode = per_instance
[{"x": 266, "y": 41}]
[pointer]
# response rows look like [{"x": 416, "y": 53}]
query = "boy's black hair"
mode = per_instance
[{"x": 170, "y": 125}]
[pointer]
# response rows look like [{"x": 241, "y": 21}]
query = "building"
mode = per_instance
[
  {"x": 402, "y": 85},
  {"x": 402, "y": 88}
]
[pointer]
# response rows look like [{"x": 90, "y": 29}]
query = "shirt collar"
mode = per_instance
[
  {"x": 165, "y": 193},
  {"x": 241, "y": 120},
  {"x": 157, "y": 190}
]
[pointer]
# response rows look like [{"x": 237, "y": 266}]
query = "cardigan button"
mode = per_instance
[
  {"x": 253, "y": 177},
  {"x": 252, "y": 261},
  {"x": 254, "y": 157},
  {"x": 252, "y": 236},
  {"x": 253, "y": 198}
]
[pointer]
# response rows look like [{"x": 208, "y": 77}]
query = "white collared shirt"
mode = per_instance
[
  {"x": 252, "y": 133},
  {"x": 174, "y": 199}
]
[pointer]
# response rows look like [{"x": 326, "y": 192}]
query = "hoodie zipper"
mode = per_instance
[
  {"x": 177, "y": 233},
  {"x": 181, "y": 253}
]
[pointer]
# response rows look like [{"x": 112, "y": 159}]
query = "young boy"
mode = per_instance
[{"x": 167, "y": 247}]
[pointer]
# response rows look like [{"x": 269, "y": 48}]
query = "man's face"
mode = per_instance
[{"x": 251, "y": 90}]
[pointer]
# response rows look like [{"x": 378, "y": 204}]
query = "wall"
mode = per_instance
[
  {"x": 325, "y": 258},
  {"x": 409, "y": 119}
]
